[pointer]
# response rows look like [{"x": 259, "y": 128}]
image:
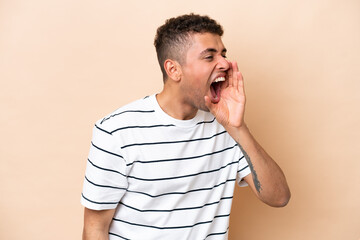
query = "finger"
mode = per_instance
[
  {"x": 235, "y": 66},
  {"x": 209, "y": 104},
  {"x": 241, "y": 83},
  {"x": 235, "y": 75},
  {"x": 230, "y": 73}
]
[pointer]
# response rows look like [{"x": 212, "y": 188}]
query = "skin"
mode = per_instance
[
  {"x": 186, "y": 90},
  {"x": 96, "y": 224},
  {"x": 187, "y": 84}
]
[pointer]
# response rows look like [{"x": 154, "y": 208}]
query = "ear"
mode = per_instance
[{"x": 173, "y": 69}]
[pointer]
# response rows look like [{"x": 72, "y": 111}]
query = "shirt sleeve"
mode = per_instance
[
  {"x": 243, "y": 171},
  {"x": 105, "y": 177}
]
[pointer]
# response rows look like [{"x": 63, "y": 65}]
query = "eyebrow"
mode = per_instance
[{"x": 212, "y": 50}]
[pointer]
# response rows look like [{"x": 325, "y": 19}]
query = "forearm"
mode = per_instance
[
  {"x": 267, "y": 178},
  {"x": 95, "y": 234},
  {"x": 97, "y": 223}
]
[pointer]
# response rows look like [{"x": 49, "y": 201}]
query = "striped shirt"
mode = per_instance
[{"x": 167, "y": 178}]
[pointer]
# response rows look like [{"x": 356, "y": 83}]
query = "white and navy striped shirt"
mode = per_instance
[{"x": 168, "y": 179}]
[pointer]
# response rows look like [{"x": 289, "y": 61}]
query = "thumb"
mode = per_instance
[
  {"x": 209, "y": 105},
  {"x": 215, "y": 110}
]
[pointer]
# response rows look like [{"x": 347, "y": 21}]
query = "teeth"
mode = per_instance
[{"x": 220, "y": 79}]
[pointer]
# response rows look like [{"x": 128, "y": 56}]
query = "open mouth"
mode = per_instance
[{"x": 215, "y": 89}]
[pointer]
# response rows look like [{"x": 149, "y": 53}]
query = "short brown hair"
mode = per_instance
[{"x": 172, "y": 38}]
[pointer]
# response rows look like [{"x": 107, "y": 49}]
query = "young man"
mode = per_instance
[{"x": 165, "y": 167}]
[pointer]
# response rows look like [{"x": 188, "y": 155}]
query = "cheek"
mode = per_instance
[{"x": 201, "y": 76}]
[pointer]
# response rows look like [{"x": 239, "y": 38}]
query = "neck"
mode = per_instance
[{"x": 174, "y": 105}]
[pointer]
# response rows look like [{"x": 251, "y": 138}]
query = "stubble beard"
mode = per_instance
[
  {"x": 199, "y": 103},
  {"x": 196, "y": 98}
]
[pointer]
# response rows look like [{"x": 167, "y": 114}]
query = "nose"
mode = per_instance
[{"x": 223, "y": 64}]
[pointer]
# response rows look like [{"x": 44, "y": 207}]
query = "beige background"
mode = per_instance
[{"x": 64, "y": 64}]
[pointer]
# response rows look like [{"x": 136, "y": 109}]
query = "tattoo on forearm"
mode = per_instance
[{"x": 255, "y": 178}]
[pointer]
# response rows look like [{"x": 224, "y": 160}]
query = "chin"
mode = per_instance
[{"x": 204, "y": 108}]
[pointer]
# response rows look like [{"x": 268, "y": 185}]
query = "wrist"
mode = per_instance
[{"x": 238, "y": 133}]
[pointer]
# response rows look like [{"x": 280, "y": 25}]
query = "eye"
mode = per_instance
[
  {"x": 224, "y": 56},
  {"x": 209, "y": 57}
]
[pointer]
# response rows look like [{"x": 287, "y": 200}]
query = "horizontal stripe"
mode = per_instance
[
  {"x": 184, "y": 176},
  {"x": 104, "y": 186},
  {"x": 127, "y": 111},
  {"x": 205, "y": 122},
  {"x": 209, "y": 235},
  {"x": 102, "y": 129},
  {"x": 182, "y": 159},
  {"x": 182, "y": 193},
  {"x": 150, "y": 126},
  {"x": 175, "y": 209},
  {"x": 220, "y": 233},
  {"x": 87, "y": 199},
  {"x": 105, "y": 169},
  {"x": 172, "y": 142},
  {"x": 163, "y": 194},
  {"x": 243, "y": 168},
  {"x": 116, "y": 235},
  {"x": 173, "y": 227},
  {"x": 106, "y": 151}
]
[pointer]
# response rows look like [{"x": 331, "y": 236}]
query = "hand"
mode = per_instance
[{"x": 229, "y": 111}]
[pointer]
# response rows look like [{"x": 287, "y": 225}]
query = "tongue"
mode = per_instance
[{"x": 215, "y": 92}]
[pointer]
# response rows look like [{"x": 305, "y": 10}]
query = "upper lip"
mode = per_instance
[{"x": 219, "y": 75}]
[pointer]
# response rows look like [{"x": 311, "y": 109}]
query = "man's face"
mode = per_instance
[{"x": 205, "y": 63}]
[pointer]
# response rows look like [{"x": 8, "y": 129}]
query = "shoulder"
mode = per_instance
[{"x": 126, "y": 114}]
